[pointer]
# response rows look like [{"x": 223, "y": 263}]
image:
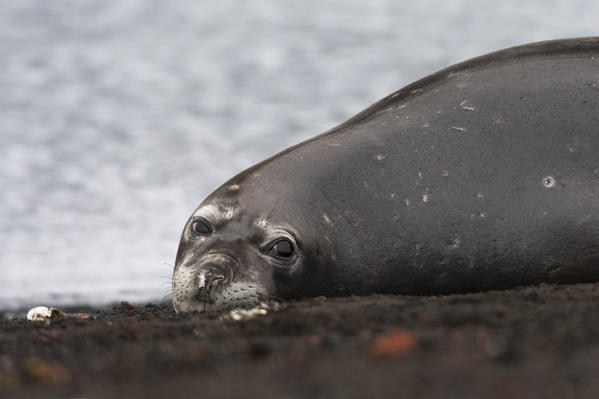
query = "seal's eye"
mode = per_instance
[
  {"x": 200, "y": 227},
  {"x": 282, "y": 249}
]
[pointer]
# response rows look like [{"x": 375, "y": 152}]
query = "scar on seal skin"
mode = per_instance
[{"x": 480, "y": 176}]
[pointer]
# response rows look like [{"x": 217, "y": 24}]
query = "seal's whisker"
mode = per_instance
[{"x": 274, "y": 207}]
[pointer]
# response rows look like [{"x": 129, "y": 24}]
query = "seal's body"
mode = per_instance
[{"x": 484, "y": 175}]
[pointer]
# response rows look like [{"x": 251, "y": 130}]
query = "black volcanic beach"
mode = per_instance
[{"x": 539, "y": 342}]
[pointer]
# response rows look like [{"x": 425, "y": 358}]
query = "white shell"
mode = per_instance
[{"x": 42, "y": 313}]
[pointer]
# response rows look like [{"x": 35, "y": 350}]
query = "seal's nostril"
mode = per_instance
[
  {"x": 207, "y": 284},
  {"x": 212, "y": 280}
]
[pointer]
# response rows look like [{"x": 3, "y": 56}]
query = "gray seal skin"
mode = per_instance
[{"x": 484, "y": 175}]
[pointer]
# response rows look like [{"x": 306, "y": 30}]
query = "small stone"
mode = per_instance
[
  {"x": 127, "y": 305},
  {"x": 315, "y": 339},
  {"x": 195, "y": 355},
  {"x": 246, "y": 314},
  {"x": 259, "y": 349},
  {"x": 47, "y": 372},
  {"x": 397, "y": 342}
]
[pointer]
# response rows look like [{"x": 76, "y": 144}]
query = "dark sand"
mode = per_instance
[{"x": 540, "y": 342}]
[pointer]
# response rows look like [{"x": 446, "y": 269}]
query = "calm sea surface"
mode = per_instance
[{"x": 118, "y": 117}]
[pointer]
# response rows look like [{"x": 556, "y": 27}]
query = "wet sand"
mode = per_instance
[{"x": 539, "y": 342}]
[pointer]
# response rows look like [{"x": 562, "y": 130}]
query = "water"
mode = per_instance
[{"x": 118, "y": 117}]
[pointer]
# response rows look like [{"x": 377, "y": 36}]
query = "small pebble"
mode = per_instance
[
  {"x": 127, "y": 305},
  {"x": 397, "y": 342}
]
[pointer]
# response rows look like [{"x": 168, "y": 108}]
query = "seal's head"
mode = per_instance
[{"x": 235, "y": 253}]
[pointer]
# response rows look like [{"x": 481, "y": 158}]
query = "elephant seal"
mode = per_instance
[{"x": 484, "y": 175}]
